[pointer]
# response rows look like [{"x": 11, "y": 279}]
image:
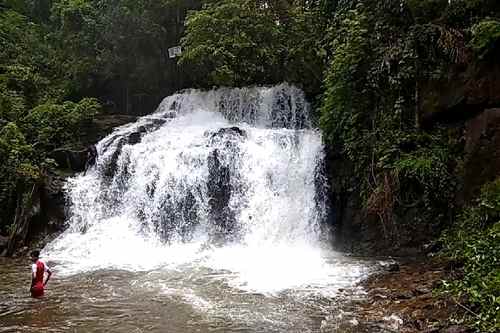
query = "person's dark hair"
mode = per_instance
[{"x": 35, "y": 253}]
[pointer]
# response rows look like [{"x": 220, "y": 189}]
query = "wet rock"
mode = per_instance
[
  {"x": 134, "y": 138},
  {"x": 174, "y": 105},
  {"x": 393, "y": 267},
  {"x": 70, "y": 159},
  {"x": 410, "y": 298},
  {"x": 422, "y": 290},
  {"x": 419, "y": 325},
  {"x": 378, "y": 297},
  {"x": 219, "y": 189},
  {"x": 170, "y": 115},
  {"x": 177, "y": 217},
  {"x": 454, "y": 329},
  {"x": 432, "y": 330},
  {"x": 158, "y": 122},
  {"x": 402, "y": 295},
  {"x": 379, "y": 291},
  {"x": 53, "y": 203},
  {"x": 393, "y": 321},
  {"x": 229, "y": 130},
  {"x": 433, "y": 247},
  {"x": 104, "y": 124},
  {"x": 112, "y": 164}
]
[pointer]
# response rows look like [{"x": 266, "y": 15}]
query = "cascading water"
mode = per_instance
[{"x": 219, "y": 187}]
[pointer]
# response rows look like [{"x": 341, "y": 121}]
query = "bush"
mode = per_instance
[
  {"x": 486, "y": 37},
  {"x": 475, "y": 242},
  {"x": 51, "y": 125}
]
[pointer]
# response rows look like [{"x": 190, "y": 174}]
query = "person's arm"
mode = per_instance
[
  {"x": 33, "y": 274},
  {"x": 49, "y": 274}
]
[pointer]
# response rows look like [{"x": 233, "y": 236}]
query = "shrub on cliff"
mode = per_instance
[
  {"x": 475, "y": 242},
  {"x": 486, "y": 38}
]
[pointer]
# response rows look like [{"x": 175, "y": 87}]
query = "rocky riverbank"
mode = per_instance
[{"x": 403, "y": 298}]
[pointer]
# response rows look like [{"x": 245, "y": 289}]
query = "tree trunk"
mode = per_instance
[{"x": 27, "y": 206}]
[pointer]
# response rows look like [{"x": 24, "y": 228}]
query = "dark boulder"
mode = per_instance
[
  {"x": 455, "y": 329},
  {"x": 170, "y": 115},
  {"x": 219, "y": 190},
  {"x": 70, "y": 159},
  {"x": 482, "y": 151},
  {"x": 393, "y": 267},
  {"x": 53, "y": 203},
  {"x": 134, "y": 138},
  {"x": 103, "y": 125},
  {"x": 157, "y": 122},
  {"x": 111, "y": 166},
  {"x": 466, "y": 92},
  {"x": 234, "y": 131},
  {"x": 152, "y": 125}
]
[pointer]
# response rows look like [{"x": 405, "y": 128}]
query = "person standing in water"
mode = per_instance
[{"x": 38, "y": 270}]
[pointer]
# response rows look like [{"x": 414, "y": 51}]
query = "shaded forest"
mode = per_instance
[{"x": 406, "y": 93}]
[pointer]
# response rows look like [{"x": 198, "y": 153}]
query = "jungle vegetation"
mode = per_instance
[{"x": 361, "y": 62}]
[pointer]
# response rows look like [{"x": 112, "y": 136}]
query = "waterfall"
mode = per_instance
[{"x": 225, "y": 179}]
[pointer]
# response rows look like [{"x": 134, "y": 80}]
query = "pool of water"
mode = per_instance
[{"x": 184, "y": 298}]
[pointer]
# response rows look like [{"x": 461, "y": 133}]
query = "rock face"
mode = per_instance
[
  {"x": 231, "y": 131},
  {"x": 219, "y": 189},
  {"x": 464, "y": 94},
  {"x": 40, "y": 214},
  {"x": 220, "y": 182},
  {"x": 469, "y": 99},
  {"x": 53, "y": 203},
  {"x": 482, "y": 151},
  {"x": 70, "y": 159}
]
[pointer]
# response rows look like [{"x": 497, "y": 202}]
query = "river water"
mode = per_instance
[
  {"x": 185, "y": 299},
  {"x": 209, "y": 215}
]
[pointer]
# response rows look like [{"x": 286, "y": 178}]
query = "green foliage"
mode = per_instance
[
  {"x": 119, "y": 48},
  {"x": 16, "y": 169},
  {"x": 50, "y": 125},
  {"x": 364, "y": 61},
  {"x": 369, "y": 118},
  {"x": 486, "y": 37},
  {"x": 465, "y": 13},
  {"x": 345, "y": 81},
  {"x": 234, "y": 43},
  {"x": 245, "y": 42},
  {"x": 423, "y": 11},
  {"x": 475, "y": 242}
]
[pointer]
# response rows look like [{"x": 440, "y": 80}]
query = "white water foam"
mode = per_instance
[{"x": 195, "y": 193}]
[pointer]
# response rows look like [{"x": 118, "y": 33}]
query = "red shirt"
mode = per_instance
[{"x": 38, "y": 270}]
